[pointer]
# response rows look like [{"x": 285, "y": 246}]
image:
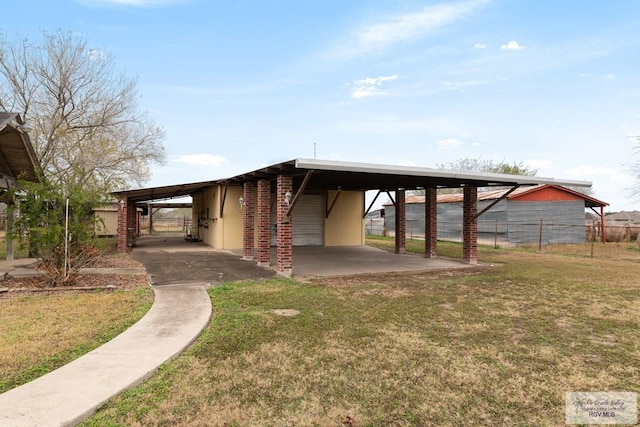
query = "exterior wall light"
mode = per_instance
[
  {"x": 287, "y": 198},
  {"x": 241, "y": 201}
]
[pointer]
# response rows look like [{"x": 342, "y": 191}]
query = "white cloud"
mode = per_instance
[
  {"x": 370, "y": 86},
  {"x": 512, "y": 45},
  {"x": 201, "y": 159},
  {"x": 590, "y": 173},
  {"x": 445, "y": 144},
  {"x": 538, "y": 163},
  {"x": 479, "y": 46},
  {"x": 406, "y": 27}
]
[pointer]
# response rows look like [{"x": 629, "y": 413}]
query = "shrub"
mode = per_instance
[{"x": 57, "y": 226}]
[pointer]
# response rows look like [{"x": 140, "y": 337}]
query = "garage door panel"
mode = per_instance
[{"x": 308, "y": 221}]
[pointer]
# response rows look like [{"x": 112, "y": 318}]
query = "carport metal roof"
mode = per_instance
[{"x": 328, "y": 175}]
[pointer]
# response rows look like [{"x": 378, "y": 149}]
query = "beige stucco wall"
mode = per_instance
[
  {"x": 216, "y": 230},
  {"x": 345, "y": 225}
]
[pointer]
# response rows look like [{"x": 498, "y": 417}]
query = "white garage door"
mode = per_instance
[{"x": 308, "y": 221}]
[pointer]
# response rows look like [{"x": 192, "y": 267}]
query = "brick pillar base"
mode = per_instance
[
  {"x": 284, "y": 262},
  {"x": 248, "y": 219},
  {"x": 430, "y": 223},
  {"x": 470, "y": 225},
  {"x": 264, "y": 223},
  {"x": 401, "y": 227}
]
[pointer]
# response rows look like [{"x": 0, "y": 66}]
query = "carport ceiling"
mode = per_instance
[{"x": 324, "y": 175}]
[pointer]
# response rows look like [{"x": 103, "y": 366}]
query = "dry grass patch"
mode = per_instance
[
  {"x": 39, "y": 333},
  {"x": 486, "y": 346}
]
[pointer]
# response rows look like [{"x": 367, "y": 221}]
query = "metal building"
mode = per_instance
[{"x": 544, "y": 214}]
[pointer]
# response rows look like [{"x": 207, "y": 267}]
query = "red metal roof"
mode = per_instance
[{"x": 518, "y": 193}]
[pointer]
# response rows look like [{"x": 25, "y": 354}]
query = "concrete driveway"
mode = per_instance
[{"x": 169, "y": 259}]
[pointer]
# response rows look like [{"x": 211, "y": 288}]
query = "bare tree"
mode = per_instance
[
  {"x": 87, "y": 126},
  {"x": 489, "y": 166}
]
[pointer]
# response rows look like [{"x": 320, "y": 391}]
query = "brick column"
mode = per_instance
[
  {"x": 264, "y": 223},
  {"x": 401, "y": 227},
  {"x": 430, "y": 222},
  {"x": 284, "y": 249},
  {"x": 470, "y": 225},
  {"x": 123, "y": 224},
  {"x": 132, "y": 216},
  {"x": 248, "y": 220}
]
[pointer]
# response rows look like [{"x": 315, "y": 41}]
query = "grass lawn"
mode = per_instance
[
  {"x": 41, "y": 333},
  {"x": 495, "y": 345}
]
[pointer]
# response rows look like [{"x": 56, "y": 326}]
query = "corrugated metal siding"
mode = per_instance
[
  {"x": 562, "y": 222},
  {"x": 109, "y": 224},
  {"x": 414, "y": 219},
  {"x": 308, "y": 221},
  {"x": 374, "y": 226},
  {"x": 509, "y": 222},
  {"x": 450, "y": 221}
]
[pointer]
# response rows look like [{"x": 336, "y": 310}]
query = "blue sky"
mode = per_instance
[{"x": 239, "y": 84}]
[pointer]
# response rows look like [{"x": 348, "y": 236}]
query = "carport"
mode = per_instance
[{"x": 281, "y": 186}]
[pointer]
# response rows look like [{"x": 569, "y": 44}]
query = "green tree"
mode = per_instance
[
  {"x": 58, "y": 228},
  {"x": 87, "y": 128}
]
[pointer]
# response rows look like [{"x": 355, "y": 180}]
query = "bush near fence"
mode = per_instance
[{"x": 621, "y": 233}]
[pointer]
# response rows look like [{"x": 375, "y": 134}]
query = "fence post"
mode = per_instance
[
  {"x": 495, "y": 236},
  {"x": 540, "y": 237}
]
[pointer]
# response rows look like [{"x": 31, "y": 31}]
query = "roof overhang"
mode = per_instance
[
  {"x": 166, "y": 192},
  {"x": 322, "y": 175},
  {"x": 17, "y": 156},
  {"x": 365, "y": 176}
]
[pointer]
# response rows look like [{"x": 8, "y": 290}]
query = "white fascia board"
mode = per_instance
[{"x": 496, "y": 178}]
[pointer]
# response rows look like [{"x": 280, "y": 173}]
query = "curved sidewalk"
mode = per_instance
[{"x": 73, "y": 392}]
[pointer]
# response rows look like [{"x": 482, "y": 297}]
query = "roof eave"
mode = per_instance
[{"x": 492, "y": 178}]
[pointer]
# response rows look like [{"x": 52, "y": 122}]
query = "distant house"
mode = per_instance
[
  {"x": 627, "y": 217},
  {"x": 542, "y": 214}
]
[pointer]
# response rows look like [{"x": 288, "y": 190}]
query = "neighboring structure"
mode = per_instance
[
  {"x": 17, "y": 161},
  {"x": 374, "y": 223},
  {"x": 314, "y": 203},
  {"x": 106, "y": 220},
  {"x": 543, "y": 214}
]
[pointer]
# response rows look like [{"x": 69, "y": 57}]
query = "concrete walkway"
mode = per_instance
[{"x": 72, "y": 393}]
